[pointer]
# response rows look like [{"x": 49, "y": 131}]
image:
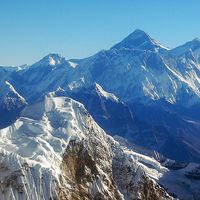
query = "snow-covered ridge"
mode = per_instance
[
  {"x": 51, "y": 60},
  {"x": 14, "y": 91},
  {"x": 105, "y": 94},
  {"x": 10, "y": 99},
  {"x": 72, "y": 64}
]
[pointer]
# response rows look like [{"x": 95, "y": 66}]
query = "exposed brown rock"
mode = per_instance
[
  {"x": 80, "y": 170},
  {"x": 97, "y": 169}
]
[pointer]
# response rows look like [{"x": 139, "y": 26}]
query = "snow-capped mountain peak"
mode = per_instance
[
  {"x": 51, "y": 60},
  {"x": 139, "y": 40}
]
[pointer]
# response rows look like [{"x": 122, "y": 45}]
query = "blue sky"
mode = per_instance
[{"x": 30, "y": 30}]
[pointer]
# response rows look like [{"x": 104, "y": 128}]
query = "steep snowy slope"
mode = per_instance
[
  {"x": 56, "y": 151},
  {"x": 11, "y": 104},
  {"x": 12, "y": 99}
]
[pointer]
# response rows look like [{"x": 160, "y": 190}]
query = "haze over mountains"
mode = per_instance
[{"x": 146, "y": 93}]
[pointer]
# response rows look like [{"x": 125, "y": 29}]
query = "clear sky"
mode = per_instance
[{"x": 31, "y": 29}]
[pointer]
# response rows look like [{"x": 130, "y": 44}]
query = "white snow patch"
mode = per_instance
[
  {"x": 105, "y": 94},
  {"x": 72, "y": 64}
]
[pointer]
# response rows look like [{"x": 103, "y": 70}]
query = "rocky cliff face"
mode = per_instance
[
  {"x": 90, "y": 178},
  {"x": 121, "y": 179}
]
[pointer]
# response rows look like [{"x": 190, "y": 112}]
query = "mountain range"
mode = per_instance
[{"x": 142, "y": 94}]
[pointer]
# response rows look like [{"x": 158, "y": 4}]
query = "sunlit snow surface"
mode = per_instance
[{"x": 39, "y": 138}]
